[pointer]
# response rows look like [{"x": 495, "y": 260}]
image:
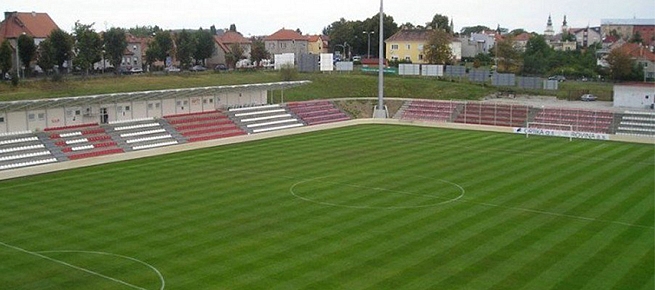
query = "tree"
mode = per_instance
[
  {"x": 62, "y": 45},
  {"x": 437, "y": 48},
  {"x": 5, "y": 57},
  {"x": 518, "y": 31},
  {"x": 536, "y": 56},
  {"x": 509, "y": 58},
  {"x": 44, "y": 56},
  {"x": 27, "y": 50},
  {"x": 441, "y": 22},
  {"x": 473, "y": 29},
  {"x": 160, "y": 47},
  {"x": 115, "y": 44},
  {"x": 204, "y": 45},
  {"x": 185, "y": 48},
  {"x": 235, "y": 54},
  {"x": 258, "y": 51},
  {"x": 621, "y": 65},
  {"x": 88, "y": 46},
  {"x": 636, "y": 38}
]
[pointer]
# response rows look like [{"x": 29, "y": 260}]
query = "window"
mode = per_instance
[
  {"x": 420, "y": 57},
  {"x": 41, "y": 116},
  {"x": 31, "y": 117},
  {"x": 69, "y": 113},
  {"x": 409, "y": 46},
  {"x": 157, "y": 105},
  {"x": 211, "y": 101},
  {"x": 420, "y": 47},
  {"x": 179, "y": 103},
  {"x": 186, "y": 103},
  {"x": 150, "y": 106},
  {"x": 204, "y": 101},
  {"x": 408, "y": 58},
  {"x": 394, "y": 46},
  {"x": 78, "y": 112},
  {"x": 394, "y": 58},
  {"x": 127, "y": 108},
  {"x": 2, "y": 119},
  {"x": 119, "y": 108}
]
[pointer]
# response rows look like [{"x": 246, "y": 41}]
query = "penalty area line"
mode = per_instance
[{"x": 71, "y": 266}]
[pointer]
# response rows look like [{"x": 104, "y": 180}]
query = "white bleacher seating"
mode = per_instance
[
  {"x": 154, "y": 145},
  {"x": 27, "y": 163}
]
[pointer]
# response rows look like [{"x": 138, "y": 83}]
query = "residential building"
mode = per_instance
[
  {"x": 37, "y": 25},
  {"x": 626, "y": 28},
  {"x": 409, "y": 44},
  {"x": 287, "y": 41},
  {"x": 317, "y": 44},
  {"x": 586, "y": 37},
  {"x": 224, "y": 41},
  {"x": 521, "y": 41}
]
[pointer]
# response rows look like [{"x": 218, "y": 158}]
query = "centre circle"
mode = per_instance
[{"x": 377, "y": 191}]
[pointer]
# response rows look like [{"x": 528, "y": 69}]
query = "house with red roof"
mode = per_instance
[
  {"x": 224, "y": 42},
  {"x": 36, "y": 25},
  {"x": 317, "y": 44},
  {"x": 642, "y": 55},
  {"x": 287, "y": 41}
]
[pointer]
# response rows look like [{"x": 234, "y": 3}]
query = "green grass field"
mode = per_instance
[{"x": 362, "y": 207}]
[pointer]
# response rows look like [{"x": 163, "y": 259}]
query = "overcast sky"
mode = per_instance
[{"x": 264, "y": 17}]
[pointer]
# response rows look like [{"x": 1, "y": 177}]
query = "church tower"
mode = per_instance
[
  {"x": 549, "y": 27},
  {"x": 565, "y": 26}
]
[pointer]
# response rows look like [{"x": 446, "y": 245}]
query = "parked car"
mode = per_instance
[
  {"x": 136, "y": 70},
  {"x": 357, "y": 58},
  {"x": 588, "y": 98},
  {"x": 558, "y": 78},
  {"x": 198, "y": 68},
  {"x": 172, "y": 69},
  {"x": 220, "y": 67}
]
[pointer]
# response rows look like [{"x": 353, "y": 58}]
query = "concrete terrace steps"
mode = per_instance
[
  {"x": 139, "y": 134},
  {"x": 265, "y": 118},
  {"x": 636, "y": 123}
]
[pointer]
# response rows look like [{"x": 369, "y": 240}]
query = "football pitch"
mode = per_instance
[{"x": 361, "y": 207}]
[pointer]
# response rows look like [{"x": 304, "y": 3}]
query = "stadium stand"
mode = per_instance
[
  {"x": 138, "y": 134},
  {"x": 258, "y": 119},
  {"x": 635, "y": 123},
  {"x": 317, "y": 112},
  {"x": 21, "y": 149},
  {"x": 422, "y": 110},
  {"x": 580, "y": 120},
  {"x": 505, "y": 115},
  {"x": 204, "y": 126},
  {"x": 82, "y": 141}
]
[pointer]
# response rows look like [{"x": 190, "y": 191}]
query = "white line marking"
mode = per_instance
[
  {"x": 558, "y": 214},
  {"x": 318, "y": 179},
  {"x": 87, "y": 270}
]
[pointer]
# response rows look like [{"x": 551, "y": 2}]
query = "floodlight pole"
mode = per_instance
[{"x": 380, "y": 111}]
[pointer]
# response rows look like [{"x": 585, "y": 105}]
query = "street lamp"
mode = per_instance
[{"x": 368, "y": 52}]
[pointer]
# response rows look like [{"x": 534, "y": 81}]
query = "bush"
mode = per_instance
[{"x": 288, "y": 73}]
